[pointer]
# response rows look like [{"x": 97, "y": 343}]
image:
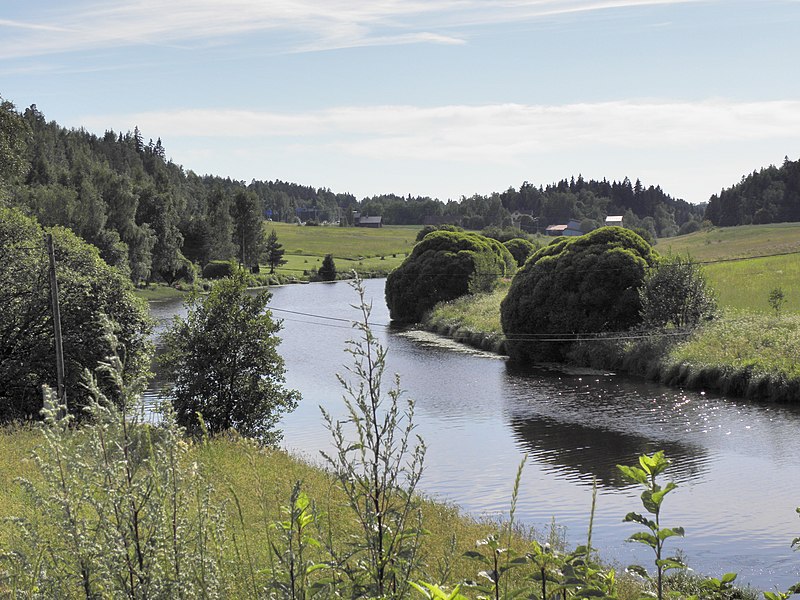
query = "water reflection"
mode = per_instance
[{"x": 574, "y": 448}]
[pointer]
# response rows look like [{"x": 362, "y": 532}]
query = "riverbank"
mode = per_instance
[
  {"x": 250, "y": 489},
  {"x": 740, "y": 354}
]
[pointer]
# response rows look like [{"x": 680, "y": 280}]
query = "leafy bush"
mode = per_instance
[
  {"x": 218, "y": 269},
  {"x": 443, "y": 266},
  {"x": 520, "y": 249},
  {"x": 675, "y": 294},
  {"x": 573, "y": 287},
  {"x": 431, "y": 228}
]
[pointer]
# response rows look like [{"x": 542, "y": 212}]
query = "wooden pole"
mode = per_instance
[{"x": 61, "y": 388}]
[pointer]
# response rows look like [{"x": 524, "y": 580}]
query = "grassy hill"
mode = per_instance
[
  {"x": 739, "y": 281},
  {"x": 359, "y": 248}
]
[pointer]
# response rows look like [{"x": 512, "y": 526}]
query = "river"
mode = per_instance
[{"x": 735, "y": 462}]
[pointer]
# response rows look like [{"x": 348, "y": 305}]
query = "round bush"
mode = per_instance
[
  {"x": 443, "y": 266},
  {"x": 217, "y": 270},
  {"x": 575, "y": 286},
  {"x": 520, "y": 249}
]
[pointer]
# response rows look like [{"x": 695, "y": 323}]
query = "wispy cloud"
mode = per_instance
[
  {"x": 309, "y": 24},
  {"x": 501, "y": 132}
]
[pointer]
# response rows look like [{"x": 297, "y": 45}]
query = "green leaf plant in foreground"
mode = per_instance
[{"x": 650, "y": 467}]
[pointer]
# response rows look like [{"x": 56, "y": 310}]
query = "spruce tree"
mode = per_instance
[
  {"x": 327, "y": 272},
  {"x": 274, "y": 252}
]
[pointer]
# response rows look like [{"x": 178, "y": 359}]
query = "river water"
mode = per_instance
[{"x": 735, "y": 462}]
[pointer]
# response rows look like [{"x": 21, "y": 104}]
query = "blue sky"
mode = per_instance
[{"x": 424, "y": 97}]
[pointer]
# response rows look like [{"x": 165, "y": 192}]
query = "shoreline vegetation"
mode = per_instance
[{"x": 741, "y": 354}]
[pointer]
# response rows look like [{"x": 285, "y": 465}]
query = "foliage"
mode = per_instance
[
  {"x": 770, "y": 195},
  {"x": 574, "y": 287},
  {"x": 443, "y": 266},
  {"x": 327, "y": 272},
  {"x": 14, "y": 134},
  {"x": 218, "y": 269},
  {"x": 274, "y": 252},
  {"x": 120, "y": 510},
  {"x": 379, "y": 470},
  {"x": 95, "y": 301},
  {"x": 520, "y": 249},
  {"x": 248, "y": 232},
  {"x": 776, "y": 300},
  {"x": 431, "y": 228},
  {"x": 675, "y": 294},
  {"x": 646, "y": 474},
  {"x": 224, "y": 363}
]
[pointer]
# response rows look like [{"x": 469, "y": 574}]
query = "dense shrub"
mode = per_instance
[
  {"x": 217, "y": 269},
  {"x": 572, "y": 287},
  {"x": 431, "y": 228},
  {"x": 520, "y": 249},
  {"x": 443, "y": 266}
]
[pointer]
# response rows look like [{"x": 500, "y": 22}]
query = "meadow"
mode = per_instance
[{"x": 741, "y": 282}]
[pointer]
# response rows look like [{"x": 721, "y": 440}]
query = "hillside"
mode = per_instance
[
  {"x": 155, "y": 219},
  {"x": 770, "y": 195}
]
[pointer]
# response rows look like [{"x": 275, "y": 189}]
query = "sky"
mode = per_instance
[{"x": 440, "y": 98}]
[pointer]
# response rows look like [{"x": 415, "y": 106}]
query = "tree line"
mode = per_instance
[
  {"x": 154, "y": 219},
  {"x": 771, "y": 195}
]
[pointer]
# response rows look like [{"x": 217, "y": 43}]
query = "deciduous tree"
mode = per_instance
[
  {"x": 96, "y": 300},
  {"x": 224, "y": 363}
]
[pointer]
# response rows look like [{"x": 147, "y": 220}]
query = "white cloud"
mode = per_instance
[
  {"x": 312, "y": 24},
  {"x": 499, "y": 132}
]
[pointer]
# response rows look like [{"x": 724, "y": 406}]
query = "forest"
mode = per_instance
[
  {"x": 155, "y": 219},
  {"x": 771, "y": 195}
]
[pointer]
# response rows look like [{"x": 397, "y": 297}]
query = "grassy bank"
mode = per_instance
[
  {"x": 741, "y": 353},
  {"x": 472, "y": 320},
  {"x": 251, "y": 489},
  {"x": 745, "y": 284}
]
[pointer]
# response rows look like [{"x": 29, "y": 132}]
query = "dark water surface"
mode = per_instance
[{"x": 735, "y": 462}]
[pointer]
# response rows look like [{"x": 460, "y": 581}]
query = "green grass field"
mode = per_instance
[
  {"x": 345, "y": 242},
  {"x": 721, "y": 243},
  {"x": 353, "y": 248},
  {"x": 745, "y": 284}
]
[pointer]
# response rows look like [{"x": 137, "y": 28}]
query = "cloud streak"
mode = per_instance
[
  {"x": 500, "y": 132},
  {"x": 309, "y": 25}
]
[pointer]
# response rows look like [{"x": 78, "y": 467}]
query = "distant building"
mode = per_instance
[
  {"x": 615, "y": 220},
  {"x": 572, "y": 228},
  {"x": 369, "y": 222}
]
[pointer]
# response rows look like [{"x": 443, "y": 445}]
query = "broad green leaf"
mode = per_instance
[
  {"x": 667, "y": 532},
  {"x": 659, "y": 496},
  {"x": 633, "y": 474},
  {"x": 644, "y": 538}
]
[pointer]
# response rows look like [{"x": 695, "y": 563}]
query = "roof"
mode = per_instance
[
  {"x": 614, "y": 219},
  {"x": 556, "y": 228},
  {"x": 370, "y": 220}
]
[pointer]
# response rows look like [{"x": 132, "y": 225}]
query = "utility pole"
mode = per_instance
[{"x": 61, "y": 388}]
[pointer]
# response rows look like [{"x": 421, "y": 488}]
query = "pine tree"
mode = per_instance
[
  {"x": 274, "y": 252},
  {"x": 327, "y": 271}
]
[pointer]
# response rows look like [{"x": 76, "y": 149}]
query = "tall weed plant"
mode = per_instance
[
  {"x": 121, "y": 510},
  {"x": 378, "y": 469}
]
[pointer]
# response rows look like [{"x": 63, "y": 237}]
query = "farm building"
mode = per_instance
[
  {"x": 571, "y": 228},
  {"x": 369, "y": 222},
  {"x": 614, "y": 220}
]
